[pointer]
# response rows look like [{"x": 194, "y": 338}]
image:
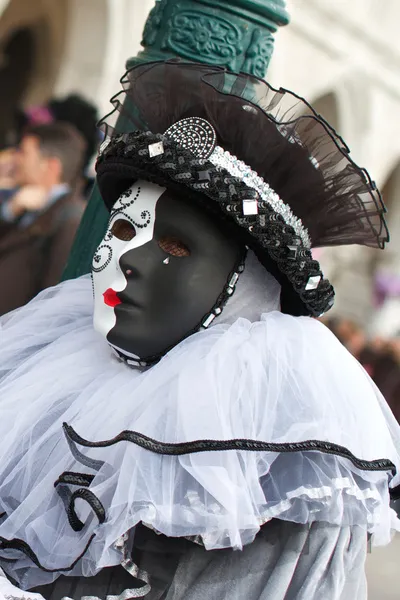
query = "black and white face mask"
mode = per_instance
[{"x": 163, "y": 266}]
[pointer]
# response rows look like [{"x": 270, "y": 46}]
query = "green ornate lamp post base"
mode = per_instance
[
  {"x": 236, "y": 34},
  {"x": 233, "y": 34}
]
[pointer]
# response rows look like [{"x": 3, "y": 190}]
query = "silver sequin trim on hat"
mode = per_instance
[
  {"x": 198, "y": 136},
  {"x": 237, "y": 168}
]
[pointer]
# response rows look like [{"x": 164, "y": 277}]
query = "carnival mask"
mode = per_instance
[{"x": 162, "y": 267}]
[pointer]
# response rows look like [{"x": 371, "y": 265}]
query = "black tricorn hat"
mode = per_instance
[{"x": 258, "y": 157}]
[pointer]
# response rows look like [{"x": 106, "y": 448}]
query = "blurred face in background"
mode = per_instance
[
  {"x": 7, "y": 168},
  {"x": 35, "y": 168}
]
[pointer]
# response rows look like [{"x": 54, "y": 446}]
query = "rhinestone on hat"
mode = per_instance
[
  {"x": 293, "y": 250},
  {"x": 194, "y": 134},
  {"x": 229, "y": 290},
  {"x": 204, "y": 175},
  {"x": 104, "y": 145},
  {"x": 156, "y": 149},
  {"x": 250, "y": 206},
  {"x": 208, "y": 320},
  {"x": 313, "y": 283}
]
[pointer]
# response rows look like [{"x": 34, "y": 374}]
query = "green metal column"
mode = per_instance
[{"x": 237, "y": 34}]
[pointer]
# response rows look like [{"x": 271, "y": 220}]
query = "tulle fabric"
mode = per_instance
[
  {"x": 275, "y": 131},
  {"x": 279, "y": 380}
]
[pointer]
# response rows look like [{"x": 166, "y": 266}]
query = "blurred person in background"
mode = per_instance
[
  {"x": 379, "y": 355},
  {"x": 40, "y": 220},
  {"x": 382, "y": 364},
  {"x": 77, "y": 111},
  {"x": 348, "y": 333},
  {"x": 72, "y": 109},
  {"x": 7, "y": 180},
  {"x": 84, "y": 116}
]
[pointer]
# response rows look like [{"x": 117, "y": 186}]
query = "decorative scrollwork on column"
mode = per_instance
[
  {"x": 259, "y": 53},
  {"x": 208, "y": 39},
  {"x": 153, "y": 23}
]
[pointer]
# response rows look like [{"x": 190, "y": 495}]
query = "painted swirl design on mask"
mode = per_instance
[
  {"x": 124, "y": 201},
  {"x": 102, "y": 258},
  {"x": 104, "y": 253},
  {"x": 145, "y": 215}
]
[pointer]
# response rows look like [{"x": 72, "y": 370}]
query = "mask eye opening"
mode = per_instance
[
  {"x": 174, "y": 247},
  {"x": 123, "y": 230}
]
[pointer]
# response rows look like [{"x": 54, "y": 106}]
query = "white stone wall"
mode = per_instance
[
  {"x": 46, "y": 20},
  {"x": 82, "y": 45}
]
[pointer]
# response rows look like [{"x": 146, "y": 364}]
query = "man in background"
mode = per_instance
[
  {"x": 73, "y": 109},
  {"x": 39, "y": 222}
]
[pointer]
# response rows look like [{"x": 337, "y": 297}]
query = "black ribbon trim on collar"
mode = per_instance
[
  {"x": 69, "y": 498},
  {"x": 21, "y": 546},
  {"x": 179, "y": 449},
  {"x": 72, "y": 478}
]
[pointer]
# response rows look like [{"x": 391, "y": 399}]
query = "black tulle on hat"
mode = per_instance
[{"x": 278, "y": 135}]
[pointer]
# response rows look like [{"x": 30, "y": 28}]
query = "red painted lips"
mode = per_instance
[{"x": 111, "y": 298}]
